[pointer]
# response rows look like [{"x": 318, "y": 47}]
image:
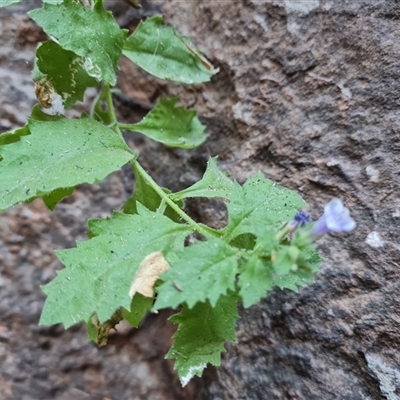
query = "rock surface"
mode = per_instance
[{"x": 308, "y": 93}]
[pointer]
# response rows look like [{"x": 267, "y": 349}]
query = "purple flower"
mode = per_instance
[{"x": 336, "y": 218}]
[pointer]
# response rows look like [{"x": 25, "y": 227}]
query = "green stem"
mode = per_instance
[
  {"x": 110, "y": 104},
  {"x": 128, "y": 127},
  {"x": 202, "y": 229},
  {"x": 164, "y": 196},
  {"x": 211, "y": 231},
  {"x": 282, "y": 233},
  {"x": 111, "y": 110}
]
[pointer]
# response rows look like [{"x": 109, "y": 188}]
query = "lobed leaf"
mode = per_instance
[
  {"x": 166, "y": 54},
  {"x": 59, "y": 153},
  {"x": 170, "y": 125},
  {"x": 203, "y": 271},
  {"x": 214, "y": 183},
  {"x": 99, "y": 272},
  {"x": 91, "y": 34},
  {"x": 201, "y": 335},
  {"x": 259, "y": 205},
  {"x": 64, "y": 69}
]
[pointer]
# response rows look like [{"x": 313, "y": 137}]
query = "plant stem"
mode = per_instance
[
  {"x": 129, "y": 127},
  {"x": 211, "y": 231},
  {"x": 164, "y": 196},
  {"x": 110, "y": 104},
  {"x": 202, "y": 229},
  {"x": 111, "y": 110},
  {"x": 282, "y": 233}
]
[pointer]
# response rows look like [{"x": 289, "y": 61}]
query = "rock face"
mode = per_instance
[{"x": 308, "y": 93}]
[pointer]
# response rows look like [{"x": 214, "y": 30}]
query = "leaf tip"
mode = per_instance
[{"x": 193, "y": 370}]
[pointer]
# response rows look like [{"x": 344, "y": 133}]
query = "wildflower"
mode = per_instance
[{"x": 336, "y": 218}]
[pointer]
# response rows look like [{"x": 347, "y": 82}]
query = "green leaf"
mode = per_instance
[
  {"x": 201, "y": 335},
  {"x": 99, "y": 271},
  {"x": 245, "y": 241},
  {"x": 170, "y": 125},
  {"x": 139, "y": 307},
  {"x": 146, "y": 195},
  {"x": 313, "y": 259},
  {"x": 64, "y": 69},
  {"x": 13, "y": 136},
  {"x": 38, "y": 115},
  {"x": 293, "y": 280},
  {"x": 256, "y": 272},
  {"x": 60, "y": 153},
  {"x": 92, "y": 330},
  {"x": 259, "y": 205},
  {"x": 91, "y": 34},
  {"x": 284, "y": 261},
  {"x": 54, "y": 197},
  {"x": 214, "y": 183},
  {"x": 5, "y": 3},
  {"x": 166, "y": 54},
  {"x": 307, "y": 264},
  {"x": 255, "y": 280},
  {"x": 203, "y": 271}
]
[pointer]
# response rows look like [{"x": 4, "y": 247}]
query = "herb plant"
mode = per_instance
[{"x": 137, "y": 260}]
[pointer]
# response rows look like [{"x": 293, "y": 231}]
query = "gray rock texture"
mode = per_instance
[{"x": 308, "y": 93}]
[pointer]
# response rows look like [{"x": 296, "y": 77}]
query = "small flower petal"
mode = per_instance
[{"x": 336, "y": 218}]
